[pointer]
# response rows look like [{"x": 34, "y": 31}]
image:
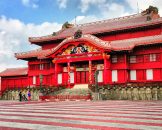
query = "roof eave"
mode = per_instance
[{"x": 46, "y": 39}]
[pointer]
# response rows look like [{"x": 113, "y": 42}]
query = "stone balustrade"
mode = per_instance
[
  {"x": 14, "y": 94},
  {"x": 132, "y": 93},
  {"x": 109, "y": 93}
]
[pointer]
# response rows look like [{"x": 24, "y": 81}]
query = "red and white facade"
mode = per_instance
[{"x": 124, "y": 50}]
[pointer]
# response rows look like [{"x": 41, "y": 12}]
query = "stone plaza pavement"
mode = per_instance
[{"x": 78, "y": 115}]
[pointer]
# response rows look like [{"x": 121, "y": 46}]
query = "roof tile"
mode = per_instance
[
  {"x": 14, "y": 72},
  {"x": 121, "y": 23},
  {"x": 31, "y": 54},
  {"x": 118, "y": 45}
]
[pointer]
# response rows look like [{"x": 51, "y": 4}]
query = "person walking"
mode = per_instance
[
  {"x": 29, "y": 95},
  {"x": 24, "y": 97},
  {"x": 20, "y": 96}
]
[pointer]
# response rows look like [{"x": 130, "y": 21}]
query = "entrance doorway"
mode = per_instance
[{"x": 82, "y": 77}]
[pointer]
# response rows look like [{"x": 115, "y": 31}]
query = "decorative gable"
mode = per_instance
[{"x": 79, "y": 49}]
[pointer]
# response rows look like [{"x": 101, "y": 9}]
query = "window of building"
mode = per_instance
[
  {"x": 152, "y": 57},
  {"x": 149, "y": 74},
  {"x": 114, "y": 76},
  {"x": 133, "y": 75},
  {"x": 34, "y": 79},
  {"x": 114, "y": 59},
  {"x": 71, "y": 77},
  {"x": 132, "y": 59},
  {"x": 100, "y": 76},
  {"x": 41, "y": 67},
  {"x": 59, "y": 78}
]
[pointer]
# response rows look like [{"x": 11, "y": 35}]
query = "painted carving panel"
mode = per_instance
[{"x": 79, "y": 49}]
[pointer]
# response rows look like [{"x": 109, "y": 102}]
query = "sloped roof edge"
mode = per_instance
[
  {"x": 118, "y": 45},
  {"x": 14, "y": 72},
  {"x": 126, "y": 22}
]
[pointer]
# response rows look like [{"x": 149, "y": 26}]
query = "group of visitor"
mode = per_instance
[{"x": 22, "y": 96}]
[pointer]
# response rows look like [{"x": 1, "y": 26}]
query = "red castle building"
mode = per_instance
[{"x": 124, "y": 50}]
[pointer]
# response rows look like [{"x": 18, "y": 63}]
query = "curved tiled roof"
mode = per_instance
[
  {"x": 14, "y": 72},
  {"x": 41, "y": 54},
  {"x": 127, "y": 22},
  {"x": 129, "y": 44},
  {"x": 32, "y": 54},
  {"x": 118, "y": 45},
  {"x": 90, "y": 38}
]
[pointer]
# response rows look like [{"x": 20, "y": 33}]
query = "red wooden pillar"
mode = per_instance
[
  {"x": 107, "y": 72},
  {"x": 56, "y": 70},
  {"x": 28, "y": 78},
  {"x": 68, "y": 70},
  {"x": 126, "y": 69},
  {"x": 90, "y": 72}
]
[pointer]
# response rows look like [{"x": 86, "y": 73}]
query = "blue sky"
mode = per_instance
[
  {"x": 39, "y": 11},
  {"x": 20, "y": 19}
]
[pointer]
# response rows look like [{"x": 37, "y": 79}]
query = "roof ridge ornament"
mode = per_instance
[
  {"x": 152, "y": 12},
  {"x": 78, "y": 34},
  {"x": 150, "y": 9},
  {"x": 67, "y": 25}
]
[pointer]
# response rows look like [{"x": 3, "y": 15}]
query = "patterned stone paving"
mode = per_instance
[{"x": 79, "y": 115}]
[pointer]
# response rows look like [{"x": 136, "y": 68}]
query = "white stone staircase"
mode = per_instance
[
  {"x": 78, "y": 92},
  {"x": 80, "y": 86},
  {"x": 78, "y": 89}
]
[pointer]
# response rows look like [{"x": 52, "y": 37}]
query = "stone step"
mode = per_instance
[
  {"x": 78, "y": 92},
  {"x": 80, "y": 86},
  {"x": 79, "y": 89}
]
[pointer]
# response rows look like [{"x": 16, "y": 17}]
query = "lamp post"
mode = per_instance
[{"x": 41, "y": 80}]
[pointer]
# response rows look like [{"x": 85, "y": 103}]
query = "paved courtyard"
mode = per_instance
[{"x": 78, "y": 115}]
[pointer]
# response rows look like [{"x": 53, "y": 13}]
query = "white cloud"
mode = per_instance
[
  {"x": 25, "y": 2},
  {"x": 85, "y": 4},
  {"x": 35, "y": 6},
  {"x": 144, "y": 4},
  {"x": 112, "y": 10},
  {"x": 62, "y": 3},
  {"x": 84, "y": 19},
  {"x": 14, "y": 38},
  {"x": 30, "y": 3},
  {"x": 110, "y": 6},
  {"x": 106, "y": 9}
]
